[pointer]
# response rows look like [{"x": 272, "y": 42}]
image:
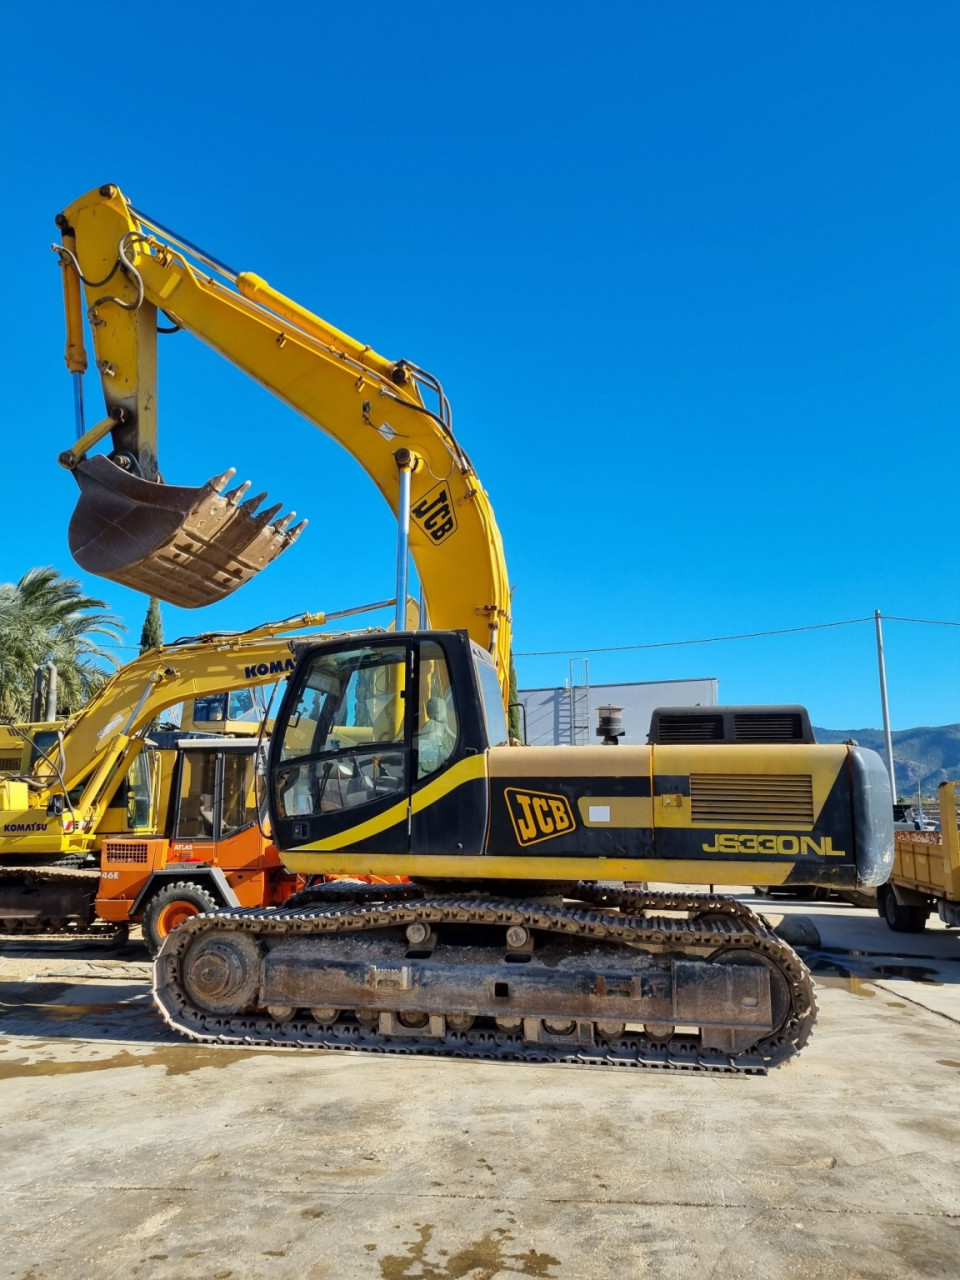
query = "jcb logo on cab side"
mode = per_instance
[
  {"x": 434, "y": 513},
  {"x": 537, "y": 815}
]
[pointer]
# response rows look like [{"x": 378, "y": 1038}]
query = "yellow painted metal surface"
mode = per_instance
[
  {"x": 581, "y": 762},
  {"x": 616, "y": 811}
]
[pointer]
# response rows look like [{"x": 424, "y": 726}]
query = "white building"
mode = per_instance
[{"x": 569, "y": 714}]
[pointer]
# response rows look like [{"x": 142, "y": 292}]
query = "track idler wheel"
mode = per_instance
[{"x": 221, "y": 972}]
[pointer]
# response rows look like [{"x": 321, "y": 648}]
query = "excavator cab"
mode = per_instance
[{"x": 371, "y": 734}]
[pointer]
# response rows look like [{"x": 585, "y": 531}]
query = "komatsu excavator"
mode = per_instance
[
  {"x": 516, "y": 938},
  {"x": 99, "y": 815}
]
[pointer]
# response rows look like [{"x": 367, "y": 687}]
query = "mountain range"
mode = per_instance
[{"x": 924, "y": 756}]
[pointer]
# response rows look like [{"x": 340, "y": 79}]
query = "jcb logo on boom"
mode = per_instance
[
  {"x": 269, "y": 668},
  {"x": 434, "y": 513},
  {"x": 792, "y": 846},
  {"x": 538, "y": 815}
]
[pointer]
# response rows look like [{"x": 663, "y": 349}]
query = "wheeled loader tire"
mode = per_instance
[{"x": 170, "y": 907}]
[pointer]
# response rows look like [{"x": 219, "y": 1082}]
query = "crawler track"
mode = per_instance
[
  {"x": 605, "y": 980},
  {"x": 52, "y": 903}
]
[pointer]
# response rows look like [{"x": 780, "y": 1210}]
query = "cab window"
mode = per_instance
[
  {"x": 239, "y": 804},
  {"x": 139, "y": 792},
  {"x": 243, "y": 707},
  {"x": 438, "y": 727},
  {"x": 344, "y": 740},
  {"x": 198, "y": 793},
  {"x": 493, "y": 712}
]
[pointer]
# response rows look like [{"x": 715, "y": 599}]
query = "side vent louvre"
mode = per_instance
[
  {"x": 694, "y": 728},
  {"x": 10, "y": 764},
  {"x": 125, "y": 851},
  {"x": 751, "y": 725},
  {"x": 723, "y": 799}
]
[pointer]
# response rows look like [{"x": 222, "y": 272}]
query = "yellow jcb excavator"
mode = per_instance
[{"x": 517, "y": 939}]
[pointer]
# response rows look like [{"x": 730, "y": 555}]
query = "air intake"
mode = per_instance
[
  {"x": 731, "y": 799},
  {"x": 751, "y": 726},
  {"x": 680, "y": 729},
  {"x": 116, "y": 852},
  {"x": 688, "y": 725}
]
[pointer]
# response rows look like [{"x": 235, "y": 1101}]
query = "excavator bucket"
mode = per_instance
[{"x": 187, "y": 546}]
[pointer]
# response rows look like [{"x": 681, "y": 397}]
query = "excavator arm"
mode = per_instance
[{"x": 192, "y": 546}]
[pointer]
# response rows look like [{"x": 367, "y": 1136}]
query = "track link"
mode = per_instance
[
  {"x": 53, "y": 903},
  {"x": 628, "y": 932}
]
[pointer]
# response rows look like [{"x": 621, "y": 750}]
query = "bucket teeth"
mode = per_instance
[
  {"x": 267, "y": 516},
  {"x": 188, "y": 546},
  {"x": 236, "y": 494},
  {"x": 251, "y": 504},
  {"x": 219, "y": 483}
]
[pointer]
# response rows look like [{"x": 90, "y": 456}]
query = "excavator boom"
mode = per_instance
[{"x": 191, "y": 546}]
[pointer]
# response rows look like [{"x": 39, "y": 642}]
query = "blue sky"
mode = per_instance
[{"x": 688, "y": 274}]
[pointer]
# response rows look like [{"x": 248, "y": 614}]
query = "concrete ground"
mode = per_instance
[{"x": 129, "y": 1153}]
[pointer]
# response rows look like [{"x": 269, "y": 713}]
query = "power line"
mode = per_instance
[
  {"x": 748, "y": 635},
  {"x": 926, "y": 622},
  {"x": 674, "y": 644}
]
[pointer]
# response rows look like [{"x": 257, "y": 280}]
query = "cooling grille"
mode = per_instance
[
  {"x": 125, "y": 851},
  {"x": 766, "y": 799},
  {"x": 10, "y": 764},
  {"x": 767, "y": 727},
  {"x": 690, "y": 728}
]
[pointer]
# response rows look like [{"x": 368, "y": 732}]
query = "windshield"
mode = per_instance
[
  {"x": 348, "y": 698},
  {"x": 492, "y": 696},
  {"x": 343, "y": 743}
]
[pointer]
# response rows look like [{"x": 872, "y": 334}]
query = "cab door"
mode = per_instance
[
  {"x": 216, "y": 819},
  {"x": 341, "y": 753},
  {"x": 449, "y": 809}
]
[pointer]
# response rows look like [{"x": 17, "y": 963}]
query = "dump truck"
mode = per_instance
[{"x": 925, "y": 876}]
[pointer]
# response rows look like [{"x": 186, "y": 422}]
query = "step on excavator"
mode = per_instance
[{"x": 516, "y": 937}]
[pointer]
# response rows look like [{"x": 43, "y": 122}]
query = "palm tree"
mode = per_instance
[{"x": 46, "y": 618}]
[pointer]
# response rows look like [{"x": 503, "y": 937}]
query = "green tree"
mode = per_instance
[
  {"x": 46, "y": 618},
  {"x": 151, "y": 637},
  {"x": 515, "y": 726}
]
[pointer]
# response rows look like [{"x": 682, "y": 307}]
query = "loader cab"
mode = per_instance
[
  {"x": 208, "y": 851},
  {"x": 372, "y": 737},
  {"x": 214, "y": 795}
]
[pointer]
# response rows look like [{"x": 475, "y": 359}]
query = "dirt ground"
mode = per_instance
[{"x": 130, "y": 1153}]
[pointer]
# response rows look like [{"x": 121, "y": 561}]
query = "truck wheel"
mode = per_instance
[
  {"x": 902, "y": 919},
  {"x": 170, "y": 907}
]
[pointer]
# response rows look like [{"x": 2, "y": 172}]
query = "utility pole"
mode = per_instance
[{"x": 888, "y": 738}]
